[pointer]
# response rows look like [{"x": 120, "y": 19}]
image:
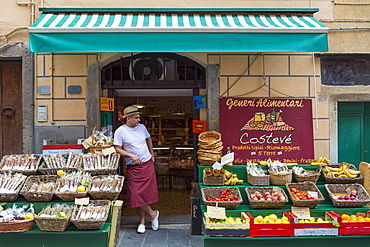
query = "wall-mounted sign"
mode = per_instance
[
  {"x": 106, "y": 104},
  {"x": 43, "y": 89},
  {"x": 74, "y": 89},
  {"x": 199, "y": 101},
  {"x": 259, "y": 129},
  {"x": 199, "y": 126}
]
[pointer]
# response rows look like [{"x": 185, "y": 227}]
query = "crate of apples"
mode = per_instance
[{"x": 266, "y": 197}]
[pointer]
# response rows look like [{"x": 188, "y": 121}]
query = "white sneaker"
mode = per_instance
[
  {"x": 155, "y": 222},
  {"x": 141, "y": 228}
]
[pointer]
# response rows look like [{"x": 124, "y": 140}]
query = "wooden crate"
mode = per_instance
[{"x": 271, "y": 230}]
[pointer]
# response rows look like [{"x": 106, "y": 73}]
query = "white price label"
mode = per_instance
[
  {"x": 217, "y": 165},
  {"x": 227, "y": 158},
  {"x": 107, "y": 151},
  {"x": 82, "y": 201},
  {"x": 301, "y": 212},
  {"x": 313, "y": 194},
  {"x": 216, "y": 212}
]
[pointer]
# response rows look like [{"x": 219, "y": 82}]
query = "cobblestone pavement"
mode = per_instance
[{"x": 172, "y": 235}]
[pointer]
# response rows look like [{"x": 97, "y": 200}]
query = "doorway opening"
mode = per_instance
[{"x": 163, "y": 85}]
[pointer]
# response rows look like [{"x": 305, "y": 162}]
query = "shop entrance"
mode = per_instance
[
  {"x": 162, "y": 86},
  {"x": 11, "y": 107},
  {"x": 353, "y": 132}
]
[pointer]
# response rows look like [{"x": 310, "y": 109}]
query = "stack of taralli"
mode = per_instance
[{"x": 210, "y": 147}]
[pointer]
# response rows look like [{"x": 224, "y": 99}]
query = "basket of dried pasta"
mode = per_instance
[
  {"x": 73, "y": 185},
  {"x": 91, "y": 216},
  {"x": 54, "y": 218},
  {"x": 26, "y": 164},
  {"x": 51, "y": 164},
  {"x": 10, "y": 185},
  {"x": 39, "y": 188},
  {"x": 106, "y": 187},
  {"x": 99, "y": 164}
]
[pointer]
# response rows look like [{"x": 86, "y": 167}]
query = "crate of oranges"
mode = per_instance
[{"x": 353, "y": 224}]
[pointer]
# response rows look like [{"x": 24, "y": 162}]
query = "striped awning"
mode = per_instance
[{"x": 177, "y": 32}]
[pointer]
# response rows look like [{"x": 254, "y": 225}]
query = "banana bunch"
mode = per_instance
[
  {"x": 231, "y": 178},
  {"x": 343, "y": 171},
  {"x": 321, "y": 161}
]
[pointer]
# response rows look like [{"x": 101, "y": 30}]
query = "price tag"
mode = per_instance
[
  {"x": 313, "y": 194},
  {"x": 107, "y": 151},
  {"x": 227, "y": 158},
  {"x": 217, "y": 165},
  {"x": 216, "y": 212},
  {"x": 301, "y": 212},
  {"x": 82, "y": 201}
]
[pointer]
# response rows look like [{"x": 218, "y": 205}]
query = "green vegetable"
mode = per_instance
[{"x": 84, "y": 182}]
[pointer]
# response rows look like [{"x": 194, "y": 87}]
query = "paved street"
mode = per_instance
[{"x": 171, "y": 235}]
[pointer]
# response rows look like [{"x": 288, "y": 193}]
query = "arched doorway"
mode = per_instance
[{"x": 163, "y": 84}]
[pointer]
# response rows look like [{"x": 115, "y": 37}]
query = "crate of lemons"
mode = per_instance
[
  {"x": 231, "y": 226},
  {"x": 271, "y": 219},
  {"x": 240, "y": 222}
]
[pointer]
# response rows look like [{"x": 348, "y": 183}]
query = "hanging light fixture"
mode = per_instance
[
  {"x": 137, "y": 104},
  {"x": 179, "y": 111}
]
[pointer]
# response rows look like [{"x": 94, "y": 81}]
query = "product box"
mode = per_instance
[
  {"x": 272, "y": 229},
  {"x": 61, "y": 149},
  {"x": 212, "y": 229},
  {"x": 325, "y": 228},
  {"x": 353, "y": 228}
]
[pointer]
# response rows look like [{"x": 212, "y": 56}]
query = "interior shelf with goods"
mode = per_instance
[{"x": 319, "y": 210}]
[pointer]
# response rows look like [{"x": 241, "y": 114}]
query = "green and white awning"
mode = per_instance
[{"x": 177, "y": 32}]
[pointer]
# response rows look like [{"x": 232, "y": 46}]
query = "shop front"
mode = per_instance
[{"x": 162, "y": 58}]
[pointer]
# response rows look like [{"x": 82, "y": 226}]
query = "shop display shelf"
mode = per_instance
[{"x": 302, "y": 241}]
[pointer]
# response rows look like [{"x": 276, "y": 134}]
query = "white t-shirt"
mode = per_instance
[{"x": 133, "y": 140}]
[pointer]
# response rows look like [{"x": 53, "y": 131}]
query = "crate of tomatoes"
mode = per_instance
[
  {"x": 228, "y": 197},
  {"x": 304, "y": 194}
]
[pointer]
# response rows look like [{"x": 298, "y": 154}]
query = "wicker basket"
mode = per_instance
[
  {"x": 212, "y": 180},
  {"x": 12, "y": 197},
  {"x": 96, "y": 149},
  {"x": 53, "y": 224},
  {"x": 38, "y": 196},
  {"x": 306, "y": 186},
  {"x": 361, "y": 200},
  {"x": 280, "y": 179},
  {"x": 206, "y": 162},
  {"x": 265, "y": 203},
  {"x": 24, "y": 172},
  {"x": 258, "y": 180},
  {"x": 69, "y": 196},
  {"x": 92, "y": 224},
  {"x": 108, "y": 195},
  {"x": 215, "y": 193},
  {"x": 53, "y": 171},
  {"x": 312, "y": 176},
  {"x": 17, "y": 226},
  {"x": 209, "y": 137},
  {"x": 341, "y": 180},
  {"x": 104, "y": 171}
]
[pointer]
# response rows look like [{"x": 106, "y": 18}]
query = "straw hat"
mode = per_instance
[{"x": 130, "y": 110}]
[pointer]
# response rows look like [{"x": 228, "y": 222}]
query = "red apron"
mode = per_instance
[{"x": 141, "y": 185}]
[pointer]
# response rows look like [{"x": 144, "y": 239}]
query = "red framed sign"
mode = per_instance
[{"x": 259, "y": 129}]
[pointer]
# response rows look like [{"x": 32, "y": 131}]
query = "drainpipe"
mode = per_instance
[
  {"x": 32, "y": 5},
  {"x": 51, "y": 69}
]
